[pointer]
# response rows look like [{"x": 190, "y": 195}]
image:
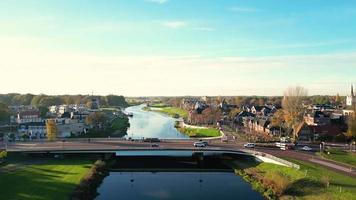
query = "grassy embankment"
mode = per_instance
[
  {"x": 340, "y": 156},
  {"x": 171, "y": 111},
  {"x": 41, "y": 179},
  {"x": 310, "y": 182},
  {"x": 200, "y": 132}
]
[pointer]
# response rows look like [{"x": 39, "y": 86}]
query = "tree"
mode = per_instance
[
  {"x": 43, "y": 111},
  {"x": 96, "y": 119},
  {"x": 234, "y": 112},
  {"x": 293, "y": 108},
  {"x": 351, "y": 131},
  {"x": 51, "y": 127},
  {"x": 4, "y": 113},
  {"x": 114, "y": 100},
  {"x": 278, "y": 119}
]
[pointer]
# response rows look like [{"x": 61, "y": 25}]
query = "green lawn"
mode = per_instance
[
  {"x": 158, "y": 105},
  {"x": 171, "y": 111},
  {"x": 308, "y": 183},
  {"x": 49, "y": 179},
  {"x": 340, "y": 156},
  {"x": 200, "y": 132}
]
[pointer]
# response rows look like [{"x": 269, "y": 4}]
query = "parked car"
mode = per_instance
[
  {"x": 249, "y": 145},
  {"x": 154, "y": 145},
  {"x": 306, "y": 148},
  {"x": 199, "y": 144}
]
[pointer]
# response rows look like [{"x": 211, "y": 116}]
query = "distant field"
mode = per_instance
[
  {"x": 341, "y": 156},
  {"x": 200, "y": 132},
  {"x": 41, "y": 180}
]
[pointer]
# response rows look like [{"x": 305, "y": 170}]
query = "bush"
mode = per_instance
[
  {"x": 280, "y": 183},
  {"x": 325, "y": 180},
  {"x": 3, "y": 154},
  {"x": 87, "y": 187}
]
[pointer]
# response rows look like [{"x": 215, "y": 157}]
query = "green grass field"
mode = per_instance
[
  {"x": 41, "y": 180},
  {"x": 308, "y": 183},
  {"x": 341, "y": 156},
  {"x": 196, "y": 132},
  {"x": 171, "y": 111}
]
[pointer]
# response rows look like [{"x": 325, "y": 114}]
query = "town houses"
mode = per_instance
[
  {"x": 69, "y": 119},
  {"x": 321, "y": 121}
]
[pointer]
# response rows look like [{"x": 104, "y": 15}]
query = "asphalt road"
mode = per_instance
[{"x": 114, "y": 144}]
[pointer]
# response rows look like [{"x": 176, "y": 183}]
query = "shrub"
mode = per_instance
[
  {"x": 88, "y": 185},
  {"x": 325, "y": 180},
  {"x": 280, "y": 182},
  {"x": 3, "y": 154}
]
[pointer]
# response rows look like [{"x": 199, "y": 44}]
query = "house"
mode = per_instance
[
  {"x": 316, "y": 118},
  {"x": 328, "y": 130},
  {"x": 188, "y": 103},
  {"x": 304, "y": 132},
  {"x": 67, "y": 129},
  {"x": 28, "y": 116},
  {"x": 226, "y": 106},
  {"x": 261, "y": 110},
  {"x": 80, "y": 116},
  {"x": 33, "y": 129}
]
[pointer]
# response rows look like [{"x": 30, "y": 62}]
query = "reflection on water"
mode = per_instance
[
  {"x": 175, "y": 185},
  {"x": 150, "y": 124}
]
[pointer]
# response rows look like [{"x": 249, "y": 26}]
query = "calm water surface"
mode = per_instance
[
  {"x": 175, "y": 185},
  {"x": 151, "y": 124}
]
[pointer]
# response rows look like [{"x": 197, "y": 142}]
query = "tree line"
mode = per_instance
[{"x": 42, "y": 100}]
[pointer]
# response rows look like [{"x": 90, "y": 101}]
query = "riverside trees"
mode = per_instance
[{"x": 293, "y": 108}]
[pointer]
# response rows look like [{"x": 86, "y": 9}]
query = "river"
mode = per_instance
[
  {"x": 150, "y": 124},
  {"x": 168, "y": 185},
  {"x": 175, "y": 186}
]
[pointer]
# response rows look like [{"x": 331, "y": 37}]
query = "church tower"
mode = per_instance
[{"x": 351, "y": 99}]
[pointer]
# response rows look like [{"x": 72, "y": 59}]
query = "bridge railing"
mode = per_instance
[{"x": 280, "y": 160}]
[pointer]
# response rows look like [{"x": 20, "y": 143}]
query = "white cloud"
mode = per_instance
[
  {"x": 157, "y": 1},
  {"x": 243, "y": 9},
  {"x": 174, "y": 24}
]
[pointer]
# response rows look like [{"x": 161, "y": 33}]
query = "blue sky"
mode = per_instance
[{"x": 177, "y": 47}]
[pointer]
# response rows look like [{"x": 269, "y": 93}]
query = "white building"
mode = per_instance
[{"x": 351, "y": 99}]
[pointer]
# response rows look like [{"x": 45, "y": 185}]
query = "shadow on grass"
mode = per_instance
[
  {"x": 34, "y": 182},
  {"x": 304, "y": 187}
]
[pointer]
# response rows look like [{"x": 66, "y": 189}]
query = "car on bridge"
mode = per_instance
[
  {"x": 151, "y": 140},
  {"x": 154, "y": 145},
  {"x": 249, "y": 145},
  {"x": 199, "y": 144}
]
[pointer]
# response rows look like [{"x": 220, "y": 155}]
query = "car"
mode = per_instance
[
  {"x": 154, "y": 145},
  {"x": 249, "y": 145},
  {"x": 151, "y": 140},
  {"x": 205, "y": 142},
  {"x": 306, "y": 148},
  {"x": 199, "y": 144}
]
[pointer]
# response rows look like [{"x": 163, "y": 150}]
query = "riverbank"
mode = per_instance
[
  {"x": 171, "y": 111},
  {"x": 41, "y": 178},
  {"x": 191, "y": 131},
  {"x": 340, "y": 156},
  {"x": 199, "y": 132},
  {"x": 310, "y": 182}
]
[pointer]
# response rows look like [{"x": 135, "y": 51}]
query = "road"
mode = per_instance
[{"x": 115, "y": 144}]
